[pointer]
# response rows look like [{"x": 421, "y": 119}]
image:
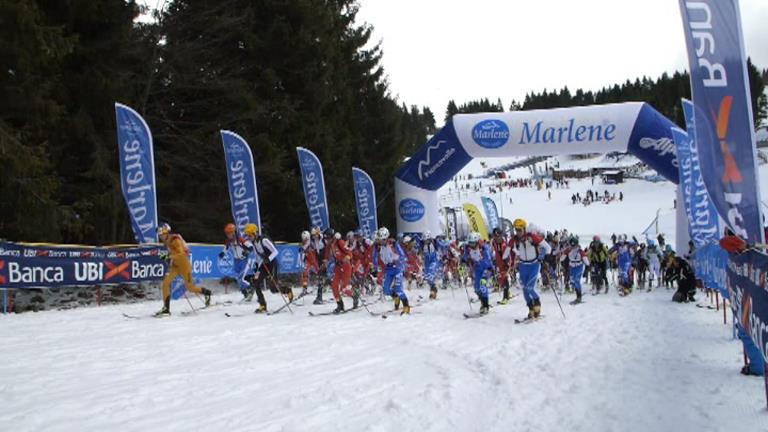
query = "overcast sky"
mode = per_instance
[{"x": 435, "y": 51}]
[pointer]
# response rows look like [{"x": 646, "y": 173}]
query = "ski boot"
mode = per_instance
[
  {"x": 207, "y": 296},
  {"x": 356, "y": 300},
  {"x": 166, "y": 310},
  {"x": 397, "y": 302},
  {"x": 406, "y": 307},
  {"x": 339, "y": 307},
  {"x": 248, "y": 295},
  {"x": 484, "y": 305},
  {"x": 319, "y": 298},
  {"x": 578, "y": 298},
  {"x": 290, "y": 295},
  {"x": 530, "y": 312},
  {"x": 536, "y": 308},
  {"x": 433, "y": 293},
  {"x": 262, "y": 309}
]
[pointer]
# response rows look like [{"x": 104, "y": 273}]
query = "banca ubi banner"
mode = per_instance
[{"x": 27, "y": 265}]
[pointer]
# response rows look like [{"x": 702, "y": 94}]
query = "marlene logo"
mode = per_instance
[
  {"x": 490, "y": 133},
  {"x": 411, "y": 210}
]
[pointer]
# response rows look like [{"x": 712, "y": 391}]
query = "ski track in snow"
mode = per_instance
[{"x": 640, "y": 363}]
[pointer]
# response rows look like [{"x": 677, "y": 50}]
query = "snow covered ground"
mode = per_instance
[{"x": 640, "y": 363}]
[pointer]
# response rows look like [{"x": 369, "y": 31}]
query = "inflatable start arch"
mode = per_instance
[{"x": 633, "y": 127}]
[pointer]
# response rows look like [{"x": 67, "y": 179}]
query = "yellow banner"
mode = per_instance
[{"x": 475, "y": 219}]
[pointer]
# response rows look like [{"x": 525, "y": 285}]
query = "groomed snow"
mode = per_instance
[{"x": 640, "y": 363}]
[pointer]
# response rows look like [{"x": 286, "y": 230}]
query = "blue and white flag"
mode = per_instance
[
  {"x": 725, "y": 135},
  {"x": 314, "y": 188},
  {"x": 137, "y": 172},
  {"x": 241, "y": 180},
  {"x": 491, "y": 212},
  {"x": 703, "y": 221},
  {"x": 365, "y": 200}
]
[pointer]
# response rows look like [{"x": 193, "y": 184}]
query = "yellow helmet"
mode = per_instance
[
  {"x": 520, "y": 224},
  {"x": 163, "y": 229},
  {"x": 251, "y": 230}
]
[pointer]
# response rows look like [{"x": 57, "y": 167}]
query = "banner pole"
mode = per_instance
[{"x": 5, "y": 301}]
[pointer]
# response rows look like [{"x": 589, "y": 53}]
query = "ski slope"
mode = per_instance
[{"x": 640, "y": 363}]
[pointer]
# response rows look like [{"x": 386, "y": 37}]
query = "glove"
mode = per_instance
[
  {"x": 221, "y": 254},
  {"x": 163, "y": 255}
]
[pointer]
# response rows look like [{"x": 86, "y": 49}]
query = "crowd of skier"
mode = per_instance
[{"x": 355, "y": 266}]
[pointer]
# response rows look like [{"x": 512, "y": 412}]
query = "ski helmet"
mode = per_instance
[
  {"x": 229, "y": 229},
  {"x": 520, "y": 224},
  {"x": 350, "y": 235},
  {"x": 407, "y": 239},
  {"x": 163, "y": 229},
  {"x": 497, "y": 232},
  {"x": 251, "y": 230},
  {"x": 337, "y": 235},
  {"x": 596, "y": 238},
  {"x": 427, "y": 235},
  {"x": 329, "y": 232},
  {"x": 382, "y": 233},
  {"x": 651, "y": 243},
  {"x": 473, "y": 237},
  {"x": 574, "y": 241},
  {"x": 316, "y": 231},
  {"x": 305, "y": 235}
]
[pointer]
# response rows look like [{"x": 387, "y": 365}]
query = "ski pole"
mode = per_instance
[
  {"x": 190, "y": 303},
  {"x": 274, "y": 282},
  {"x": 558, "y": 303}
]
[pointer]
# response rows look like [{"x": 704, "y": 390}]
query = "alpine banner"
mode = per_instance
[
  {"x": 475, "y": 220},
  {"x": 723, "y": 121},
  {"x": 137, "y": 172},
  {"x": 633, "y": 127},
  {"x": 491, "y": 213},
  {"x": 241, "y": 180},
  {"x": 703, "y": 222},
  {"x": 365, "y": 202},
  {"x": 314, "y": 188},
  {"x": 451, "y": 224}
]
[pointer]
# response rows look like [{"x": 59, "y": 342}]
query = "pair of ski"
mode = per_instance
[
  {"x": 184, "y": 313},
  {"x": 316, "y": 314}
]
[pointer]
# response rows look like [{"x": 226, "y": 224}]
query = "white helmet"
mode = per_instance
[
  {"x": 473, "y": 237},
  {"x": 382, "y": 233},
  {"x": 305, "y": 235},
  {"x": 427, "y": 235},
  {"x": 350, "y": 235},
  {"x": 407, "y": 239},
  {"x": 337, "y": 235}
]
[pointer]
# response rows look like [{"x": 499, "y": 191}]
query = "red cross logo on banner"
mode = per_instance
[
  {"x": 115, "y": 269},
  {"x": 2, "y": 278}
]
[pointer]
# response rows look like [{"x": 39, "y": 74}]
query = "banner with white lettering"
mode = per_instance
[
  {"x": 749, "y": 302},
  {"x": 491, "y": 213},
  {"x": 703, "y": 222},
  {"x": 54, "y": 266},
  {"x": 314, "y": 188},
  {"x": 137, "y": 172},
  {"x": 241, "y": 180},
  {"x": 365, "y": 201},
  {"x": 451, "y": 223},
  {"x": 725, "y": 135},
  {"x": 633, "y": 127}
]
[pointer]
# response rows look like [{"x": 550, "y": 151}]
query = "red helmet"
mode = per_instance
[
  {"x": 596, "y": 238},
  {"x": 229, "y": 229}
]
